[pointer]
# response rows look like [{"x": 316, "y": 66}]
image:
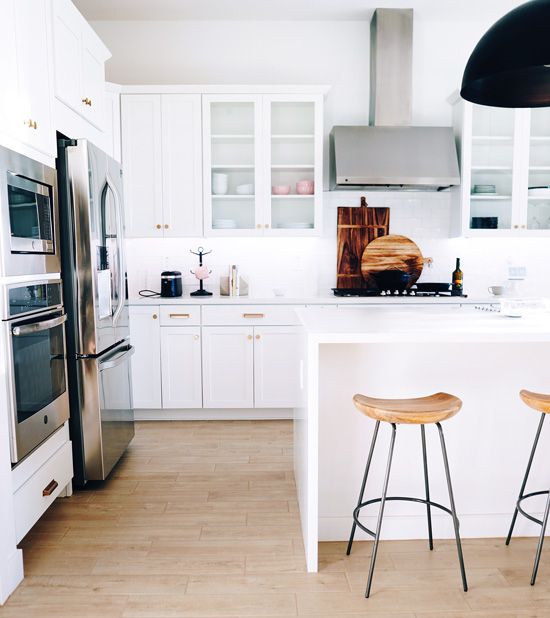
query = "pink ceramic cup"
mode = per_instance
[
  {"x": 280, "y": 189},
  {"x": 305, "y": 187}
]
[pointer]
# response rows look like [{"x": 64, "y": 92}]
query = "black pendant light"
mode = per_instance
[{"x": 510, "y": 66}]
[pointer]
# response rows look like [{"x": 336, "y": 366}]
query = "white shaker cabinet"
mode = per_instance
[
  {"x": 25, "y": 71},
  {"x": 142, "y": 164},
  {"x": 181, "y": 367},
  {"x": 146, "y": 367},
  {"x": 79, "y": 63},
  {"x": 276, "y": 367},
  {"x": 161, "y": 146},
  {"x": 228, "y": 366}
]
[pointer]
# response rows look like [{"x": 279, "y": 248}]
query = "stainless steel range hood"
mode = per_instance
[{"x": 392, "y": 154}]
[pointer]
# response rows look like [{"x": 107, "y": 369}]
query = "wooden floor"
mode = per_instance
[{"x": 200, "y": 520}]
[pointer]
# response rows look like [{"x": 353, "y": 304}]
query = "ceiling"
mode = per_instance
[{"x": 323, "y": 10}]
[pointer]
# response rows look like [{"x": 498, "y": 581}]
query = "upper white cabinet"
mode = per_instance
[
  {"x": 25, "y": 70},
  {"x": 505, "y": 169},
  {"x": 79, "y": 63},
  {"x": 262, "y": 164},
  {"x": 161, "y": 157}
]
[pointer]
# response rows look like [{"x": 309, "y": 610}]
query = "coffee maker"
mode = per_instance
[{"x": 170, "y": 284}]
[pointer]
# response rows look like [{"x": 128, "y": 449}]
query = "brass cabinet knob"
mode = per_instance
[
  {"x": 266, "y": 225},
  {"x": 155, "y": 316},
  {"x": 159, "y": 226},
  {"x": 166, "y": 226},
  {"x": 249, "y": 337},
  {"x": 257, "y": 336},
  {"x": 32, "y": 124},
  {"x": 523, "y": 227},
  {"x": 516, "y": 227},
  {"x": 258, "y": 225},
  {"x": 196, "y": 337},
  {"x": 87, "y": 101}
]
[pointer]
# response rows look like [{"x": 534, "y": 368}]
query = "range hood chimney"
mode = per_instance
[{"x": 390, "y": 153}]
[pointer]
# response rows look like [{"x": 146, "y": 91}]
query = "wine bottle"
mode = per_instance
[{"x": 458, "y": 280}]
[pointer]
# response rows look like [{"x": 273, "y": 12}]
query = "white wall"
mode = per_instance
[{"x": 316, "y": 52}]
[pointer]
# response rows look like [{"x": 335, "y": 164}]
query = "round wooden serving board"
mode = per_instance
[{"x": 391, "y": 252}]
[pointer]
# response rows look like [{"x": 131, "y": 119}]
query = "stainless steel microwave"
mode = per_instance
[{"x": 29, "y": 217}]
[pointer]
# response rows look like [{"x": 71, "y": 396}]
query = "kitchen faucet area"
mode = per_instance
[{"x": 274, "y": 309}]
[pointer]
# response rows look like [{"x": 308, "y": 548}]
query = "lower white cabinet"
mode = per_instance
[
  {"x": 146, "y": 371},
  {"x": 276, "y": 367},
  {"x": 228, "y": 366},
  {"x": 181, "y": 366}
]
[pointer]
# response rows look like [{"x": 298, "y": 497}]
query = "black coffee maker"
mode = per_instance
[{"x": 170, "y": 284}]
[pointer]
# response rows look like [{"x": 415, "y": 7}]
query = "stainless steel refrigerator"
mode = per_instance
[{"x": 95, "y": 292}]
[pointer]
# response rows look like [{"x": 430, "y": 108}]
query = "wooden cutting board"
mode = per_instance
[
  {"x": 356, "y": 228},
  {"x": 391, "y": 252}
]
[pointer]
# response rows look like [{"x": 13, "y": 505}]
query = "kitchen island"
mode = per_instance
[{"x": 480, "y": 356}]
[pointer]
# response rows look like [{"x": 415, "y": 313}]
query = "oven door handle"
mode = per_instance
[
  {"x": 28, "y": 329},
  {"x": 117, "y": 359}
]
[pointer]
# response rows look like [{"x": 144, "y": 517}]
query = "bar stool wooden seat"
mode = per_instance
[
  {"x": 541, "y": 403},
  {"x": 419, "y": 411}
]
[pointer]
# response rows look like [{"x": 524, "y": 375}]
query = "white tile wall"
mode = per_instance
[{"x": 307, "y": 266}]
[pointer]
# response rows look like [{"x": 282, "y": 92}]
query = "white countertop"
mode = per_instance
[
  {"x": 421, "y": 324},
  {"x": 325, "y": 299}
]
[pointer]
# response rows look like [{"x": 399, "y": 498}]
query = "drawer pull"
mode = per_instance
[
  {"x": 50, "y": 488},
  {"x": 180, "y": 316},
  {"x": 253, "y": 315}
]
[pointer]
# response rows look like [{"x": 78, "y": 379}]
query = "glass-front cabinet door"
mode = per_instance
[
  {"x": 231, "y": 151},
  {"x": 538, "y": 184},
  {"x": 293, "y": 163},
  {"x": 492, "y": 184}
]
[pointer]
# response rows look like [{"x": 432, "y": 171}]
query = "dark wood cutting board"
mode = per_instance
[
  {"x": 391, "y": 252},
  {"x": 357, "y": 227}
]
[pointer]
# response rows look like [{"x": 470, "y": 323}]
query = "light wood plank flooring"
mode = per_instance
[{"x": 200, "y": 520}]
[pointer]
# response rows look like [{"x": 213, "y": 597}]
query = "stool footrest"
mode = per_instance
[
  {"x": 544, "y": 492},
  {"x": 399, "y": 499}
]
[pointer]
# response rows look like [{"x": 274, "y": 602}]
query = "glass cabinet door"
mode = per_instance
[
  {"x": 292, "y": 169},
  {"x": 538, "y": 192},
  {"x": 491, "y": 184},
  {"x": 231, "y": 170}
]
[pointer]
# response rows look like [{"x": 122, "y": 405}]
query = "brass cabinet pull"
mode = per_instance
[
  {"x": 166, "y": 226},
  {"x": 87, "y": 101},
  {"x": 180, "y": 316},
  {"x": 50, "y": 488},
  {"x": 155, "y": 316},
  {"x": 159, "y": 226},
  {"x": 257, "y": 336},
  {"x": 32, "y": 124},
  {"x": 253, "y": 315}
]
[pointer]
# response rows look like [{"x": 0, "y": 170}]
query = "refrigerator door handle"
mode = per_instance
[
  {"x": 120, "y": 238},
  {"x": 117, "y": 359}
]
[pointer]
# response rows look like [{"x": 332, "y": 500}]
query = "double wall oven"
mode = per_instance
[{"x": 36, "y": 362}]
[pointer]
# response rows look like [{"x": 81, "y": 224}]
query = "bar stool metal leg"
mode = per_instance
[
  {"x": 541, "y": 542},
  {"x": 427, "y": 486},
  {"x": 364, "y": 483},
  {"x": 524, "y": 484},
  {"x": 381, "y": 512},
  {"x": 453, "y": 508}
]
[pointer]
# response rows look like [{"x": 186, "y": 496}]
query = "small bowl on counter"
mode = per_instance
[
  {"x": 305, "y": 187},
  {"x": 280, "y": 189}
]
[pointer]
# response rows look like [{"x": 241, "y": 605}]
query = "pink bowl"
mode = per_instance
[
  {"x": 280, "y": 189},
  {"x": 305, "y": 187}
]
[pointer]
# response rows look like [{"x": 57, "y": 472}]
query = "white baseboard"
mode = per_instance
[
  {"x": 398, "y": 527},
  {"x": 215, "y": 414},
  {"x": 11, "y": 575}
]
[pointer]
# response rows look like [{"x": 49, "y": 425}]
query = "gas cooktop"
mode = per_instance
[{"x": 421, "y": 290}]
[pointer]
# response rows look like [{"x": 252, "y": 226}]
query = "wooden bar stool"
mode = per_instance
[
  {"x": 420, "y": 411},
  {"x": 541, "y": 403}
]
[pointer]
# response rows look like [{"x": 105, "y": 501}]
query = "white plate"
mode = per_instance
[{"x": 539, "y": 192}]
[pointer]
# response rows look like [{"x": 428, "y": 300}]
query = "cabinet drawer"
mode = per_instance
[
  {"x": 239, "y": 315},
  {"x": 29, "y": 500},
  {"x": 180, "y": 315}
]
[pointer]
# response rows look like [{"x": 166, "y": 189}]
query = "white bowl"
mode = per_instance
[
  {"x": 539, "y": 192},
  {"x": 247, "y": 189}
]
